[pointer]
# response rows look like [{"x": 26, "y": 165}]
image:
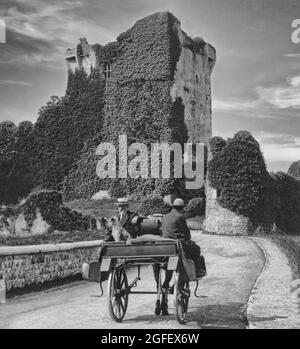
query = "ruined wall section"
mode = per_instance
[
  {"x": 192, "y": 83},
  {"x": 86, "y": 56}
]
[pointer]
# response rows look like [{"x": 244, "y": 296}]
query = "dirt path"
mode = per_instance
[
  {"x": 274, "y": 303},
  {"x": 233, "y": 266}
]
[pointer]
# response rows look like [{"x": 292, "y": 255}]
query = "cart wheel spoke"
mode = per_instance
[
  {"x": 118, "y": 295},
  {"x": 181, "y": 298},
  {"x": 122, "y": 282},
  {"x": 122, "y": 306}
]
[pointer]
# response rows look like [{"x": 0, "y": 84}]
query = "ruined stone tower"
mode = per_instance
[
  {"x": 156, "y": 52},
  {"x": 157, "y": 88}
]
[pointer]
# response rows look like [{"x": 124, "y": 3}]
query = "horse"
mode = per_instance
[{"x": 148, "y": 230}]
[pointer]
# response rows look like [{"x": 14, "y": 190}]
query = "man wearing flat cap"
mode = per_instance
[{"x": 174, "y": 226}]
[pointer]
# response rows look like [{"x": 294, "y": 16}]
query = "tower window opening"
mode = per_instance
[{"x": 107, "y": 71}]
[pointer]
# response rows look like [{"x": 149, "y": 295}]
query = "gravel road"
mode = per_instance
[{"x": 233, "y": 265}]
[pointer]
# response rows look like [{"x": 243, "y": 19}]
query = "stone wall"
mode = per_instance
[
  {"x": 192, "y": 84},
  {"x": 23, "y": 266},
  {"x": 220, "y": 220}
]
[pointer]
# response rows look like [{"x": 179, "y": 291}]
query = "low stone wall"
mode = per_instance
[{"x": 23, "y": 266}]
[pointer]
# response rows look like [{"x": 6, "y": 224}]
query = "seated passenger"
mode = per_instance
[
  {"x": 174, "y": 226},
  {"x": 128, "y": 220}
]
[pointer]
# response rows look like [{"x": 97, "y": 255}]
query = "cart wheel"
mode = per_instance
[
  {"x": 117, "y": 294},
  {"x": 181, "y": 298}
]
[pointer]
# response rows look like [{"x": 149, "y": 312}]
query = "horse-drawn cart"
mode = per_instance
[{"x": 118, "y": 257}]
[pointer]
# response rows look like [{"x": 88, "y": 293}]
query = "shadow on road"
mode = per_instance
[{"x": 214, "y": 316}]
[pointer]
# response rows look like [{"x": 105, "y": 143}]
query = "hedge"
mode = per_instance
[
  {"x": 195, "y": 207},
  {"x": 15, "y": 161},
  {"x": 153, "y": 204},
  {"x": 288, "y": 218},
  {"x": 238, "y": 172},
  {"x": 294, "y": 169},
  {"x": 59, "y": 217}
]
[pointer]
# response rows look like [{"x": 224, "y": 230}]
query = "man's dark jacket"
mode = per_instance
[{"x": 174, "y": 226}]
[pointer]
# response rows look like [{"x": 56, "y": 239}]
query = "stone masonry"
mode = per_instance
[{"x": 23, "y": 266}]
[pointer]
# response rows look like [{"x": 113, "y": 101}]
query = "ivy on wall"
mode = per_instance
[
  {"x": 59, "y": 150},
  {"x": 63, "y": 126},
  {"x": 137, "y": 103}
]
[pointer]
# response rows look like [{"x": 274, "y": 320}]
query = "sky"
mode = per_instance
[{"x": 255, "y": 82}]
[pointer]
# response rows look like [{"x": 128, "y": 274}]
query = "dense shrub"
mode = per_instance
[
  {"x": 63, "y": 126},
  {"x": 82, "y": 181},
  {"x": 288, "y": 218},
  {"x": 7, "y": 134},
  {"x": 48, "y": 202},
  {"x": 195, "y": 207},
  {"x": 153, "y": 204},
  {"x": 280, "y": 203},
  {"x": 238, "y": 172},
  {"x": 59, "y": 217},
  {"x": 41, "y": 155},
  {"x": 216, "y": 145},
  {"x": 294, "y": 169},
  {"x": 268, "y": 206},
  {"x": 15, "y": 161}
]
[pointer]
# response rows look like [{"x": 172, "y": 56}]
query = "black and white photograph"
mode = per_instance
[{"x": 149, "y": 167}]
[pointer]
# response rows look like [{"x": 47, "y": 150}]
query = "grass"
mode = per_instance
[
  {"x": 291, "y": 246},
  {"x": 99, "y": 208}
]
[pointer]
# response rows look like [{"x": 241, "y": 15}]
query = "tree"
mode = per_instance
[
  {"x": 64, "y": 125},
  {"x": 237, "y": 171},
  {"x": 294, "y": 169}
]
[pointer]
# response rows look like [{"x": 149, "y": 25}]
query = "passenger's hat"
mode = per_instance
[
  {"x": 122, "y": 202},
  {"x": 178, "y": 203}
]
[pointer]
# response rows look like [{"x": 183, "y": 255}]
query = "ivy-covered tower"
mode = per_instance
[
  {"x": 157, "y": 82},
  {"x": 149, "y": 69}
]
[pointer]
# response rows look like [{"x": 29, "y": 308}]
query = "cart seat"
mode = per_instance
[{"x": 148, "y": 249}]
